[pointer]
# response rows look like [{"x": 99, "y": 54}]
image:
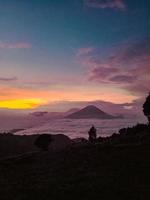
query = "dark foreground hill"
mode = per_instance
[
  {"x": 90, "y": 112},
  {"x": 87, "y": 172}
]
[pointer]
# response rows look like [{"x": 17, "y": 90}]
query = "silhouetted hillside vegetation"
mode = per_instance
[
  {"x": 138, "y": 134},
  {"x": 12, "y": 145}
]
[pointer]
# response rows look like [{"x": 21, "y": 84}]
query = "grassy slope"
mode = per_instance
[{"x": 90, "y": 172}]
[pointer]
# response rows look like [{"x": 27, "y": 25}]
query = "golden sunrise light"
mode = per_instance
[{"x": 21, "y": 103}]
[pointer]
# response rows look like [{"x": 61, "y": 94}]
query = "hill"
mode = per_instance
[{"x": 90, "y": 112}]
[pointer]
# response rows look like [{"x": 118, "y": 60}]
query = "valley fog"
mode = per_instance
[{"x": 75, "y": 128}]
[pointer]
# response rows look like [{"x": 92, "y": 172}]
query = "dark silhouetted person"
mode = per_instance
[{"x": 92, "y": 134}]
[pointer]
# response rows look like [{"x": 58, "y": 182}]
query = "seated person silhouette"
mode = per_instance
[{"x": 92, "y": 134}]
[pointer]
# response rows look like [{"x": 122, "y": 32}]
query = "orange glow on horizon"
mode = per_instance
[{"x": 29, "y": 99}]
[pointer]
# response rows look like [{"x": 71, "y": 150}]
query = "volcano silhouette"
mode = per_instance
[{"x": 90, "y": 112}]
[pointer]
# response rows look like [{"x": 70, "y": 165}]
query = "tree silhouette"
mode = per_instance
[
  {"x": 43, "y": 141},
  {"x": 146, "y": 108}
]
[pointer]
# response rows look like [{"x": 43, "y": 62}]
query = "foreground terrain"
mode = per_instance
[{"x": 86, "y": 172}]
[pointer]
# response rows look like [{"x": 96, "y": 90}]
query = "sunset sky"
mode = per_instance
[{"x": 54, "y": 51}]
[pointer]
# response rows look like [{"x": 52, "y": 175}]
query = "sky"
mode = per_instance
[{"x": 58, "y": 51}]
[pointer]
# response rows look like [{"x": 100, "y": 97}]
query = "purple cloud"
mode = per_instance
[
  {"x": 102, "y": 72},
  {"x": 5, "y": 79},
  {"x": 84, "y": 51},
  {"x": 103, "y": 4},
  {"x": 131, "y": 51},
  {"x": 123, "y": 79},
  {"x": 19, "y": 45},
  {"x": 128, "y": 67},
  {"x": 139, "y": 87}
]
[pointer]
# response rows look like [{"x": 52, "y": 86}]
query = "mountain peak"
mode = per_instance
[
  {"x": 91, "y": 107},
  {"x": 88, "y": 112}
]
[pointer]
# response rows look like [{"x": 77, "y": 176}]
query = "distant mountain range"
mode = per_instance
[
  {"x": 47, "y": 115},
  {"x": 90, "y": 112}
]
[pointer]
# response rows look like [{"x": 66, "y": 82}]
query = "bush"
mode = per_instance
[{"x": 43, "y": 141}]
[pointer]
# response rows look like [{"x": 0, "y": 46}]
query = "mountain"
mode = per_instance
[
  {"x": 90, "y": 112},
  {"x": 55, "y": 115},
  {"x": 72, "y": 110},
  {"x": 39, "y": 113},
  {"x": 47, "y": 115}
]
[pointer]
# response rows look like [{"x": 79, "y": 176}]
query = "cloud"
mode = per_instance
[
  {"x": 103, "y": 4},
  {"x": 139, "y": 87},
  {"x": 131, "y": 51},
  {"x": 84, "y": 51},
  {"x": 20, "y": 45},
  {"x": 102, "y": 72},
  {"x": 123, "y": 79},
  {"x": 8, "y": 79},
  {"x": 128, "y": 67}
]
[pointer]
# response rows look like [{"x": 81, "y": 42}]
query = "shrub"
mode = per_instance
[{"x": 43, "y": 141}]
